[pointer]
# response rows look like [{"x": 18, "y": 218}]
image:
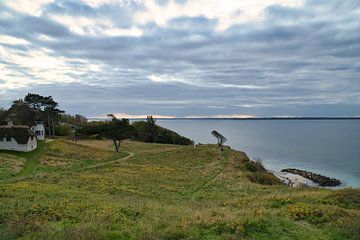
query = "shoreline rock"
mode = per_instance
[
  {"x": 321, "y": 180},
  {"x": 293, "y": 180}
]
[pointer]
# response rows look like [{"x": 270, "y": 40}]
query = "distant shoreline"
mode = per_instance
[
  {"x": 256, "y": 118},
  {"x": 266, "y": 118}
]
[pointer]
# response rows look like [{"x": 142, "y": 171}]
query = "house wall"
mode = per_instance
[
  {"x": 41, "y": 128},
  {"x": 13, "y": 145}
]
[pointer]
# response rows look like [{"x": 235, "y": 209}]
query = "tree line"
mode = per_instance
[
  {"x": 34, "y": 107},
  {"x": 121, "y": 129}
]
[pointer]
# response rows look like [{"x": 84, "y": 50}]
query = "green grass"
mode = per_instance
[{"x": 86, "y": 191}]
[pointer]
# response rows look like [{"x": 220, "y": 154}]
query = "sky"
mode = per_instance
[{"x": 184, "y": 58}]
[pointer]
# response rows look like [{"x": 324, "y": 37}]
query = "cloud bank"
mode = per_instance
[{"x": 184, "y": 57}]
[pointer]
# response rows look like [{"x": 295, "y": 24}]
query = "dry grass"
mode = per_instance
[{"x": 10, "y": 165}]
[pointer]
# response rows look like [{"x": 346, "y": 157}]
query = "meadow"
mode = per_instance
[{"x": 85, "y": 190}]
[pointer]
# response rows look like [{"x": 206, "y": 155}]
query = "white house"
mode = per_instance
[
  {"x": 39, "y": 129},
  {"x": 17, "y": 138}
]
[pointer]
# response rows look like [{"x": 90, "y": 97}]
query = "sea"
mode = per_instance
[{"x": 328, "y": 147}]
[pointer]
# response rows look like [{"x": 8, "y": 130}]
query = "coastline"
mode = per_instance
[
  {"x": 300, "y": 178},
  {"x": 293, "y": 180}
]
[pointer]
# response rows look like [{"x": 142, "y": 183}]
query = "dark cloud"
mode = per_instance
[{"x": 297, "y": 61}]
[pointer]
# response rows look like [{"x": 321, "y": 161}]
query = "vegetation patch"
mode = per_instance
[
  {"x": 10, "y": 165},
  {"x": 263, "y": 178},
  {"x": 347, "y": 198},
  {"x": 314, "y": 213},
  {"x": 163, "y": 192},
  {"x": 254, "y": 166}
]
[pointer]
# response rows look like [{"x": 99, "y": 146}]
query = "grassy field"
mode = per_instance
[{"x": 85, "y": 190}]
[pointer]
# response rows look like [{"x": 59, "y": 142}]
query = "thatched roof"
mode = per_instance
[{"x": 20, "y": 133}]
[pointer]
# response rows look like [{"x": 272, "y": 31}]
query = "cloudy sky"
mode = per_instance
[{"x": 184, "y": 57}]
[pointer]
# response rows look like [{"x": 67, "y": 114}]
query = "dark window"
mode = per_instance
[
  {"x": 38, "y": 132},
  {"x": 1, "y": 139},
  {"x": 8, "y": 139},
  {"x": 32, "y": 137}
]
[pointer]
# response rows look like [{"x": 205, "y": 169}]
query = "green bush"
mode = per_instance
[
  {"x": 347, "y": 198},
  {"x": 163, "y": 135},
  {"x": 254, "y": 166},
  {"x": 263, "y": 178},
  {"x": 63, "y": 130}
]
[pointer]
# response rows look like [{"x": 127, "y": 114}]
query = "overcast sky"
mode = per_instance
[{"x": 184, "y": 57}]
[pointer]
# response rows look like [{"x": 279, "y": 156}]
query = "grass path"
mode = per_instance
[
  {"x": 197, "y": 190},
  {"x": 33, "y": 160},
  {"x": 110, "y": 162}
]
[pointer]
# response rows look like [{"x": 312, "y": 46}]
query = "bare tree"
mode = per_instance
[{"x": 220, "y": 138}]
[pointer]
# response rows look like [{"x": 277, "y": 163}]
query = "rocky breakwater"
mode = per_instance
[{"x": 316, "y": 178}]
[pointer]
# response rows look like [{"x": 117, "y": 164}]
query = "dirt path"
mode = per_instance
[
  {"x": 210, "y": 180},
  {"x": 111, "y": 162},
  {"x": 29, "y": 175}
]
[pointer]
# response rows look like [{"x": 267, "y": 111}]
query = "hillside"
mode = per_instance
[{"x": 85, "y": 190}]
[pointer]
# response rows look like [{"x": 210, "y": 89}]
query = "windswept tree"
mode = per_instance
[
  {"x": 118, "y": 130},
  {"x": 220, "y": 138}
]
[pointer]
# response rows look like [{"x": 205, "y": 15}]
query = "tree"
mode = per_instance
[
  {"x": 118, "y": 130},
  {"x": 21, "y": 113},
  {"x": 151, "y": 128},
  {"x": 34, "y": 100},
  {"x": 52, "y": 111},
  {"x": 220, "y": 138},
  {"x": 2, "y": 114},
  {"x": 76, "y": 119},
  {"x": 47, "y": 107}
]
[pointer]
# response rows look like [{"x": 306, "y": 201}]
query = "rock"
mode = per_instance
[{"x": 317, "y": 178}]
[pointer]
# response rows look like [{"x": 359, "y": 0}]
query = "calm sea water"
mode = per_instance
[{"x": 329, "y": 147}]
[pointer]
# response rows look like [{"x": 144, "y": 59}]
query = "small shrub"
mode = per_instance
[
  {"x": 255, "y": 226},
  {"x": 347, "y": 198},
  {"x": 278, "y": 202},
  {"x": 313, "y": 213},
  {"x": 263, "y": 178},
  {"x": 302, "y": 211},
  {"x": 254, "y": 166}
]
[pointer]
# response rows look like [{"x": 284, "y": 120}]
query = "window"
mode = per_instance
[
  {"x": 38, "y": 133},
  {"x": 8, "y": 139},
  {"x": 32, "y": 138},
  {"x": 1, "y": 139}
]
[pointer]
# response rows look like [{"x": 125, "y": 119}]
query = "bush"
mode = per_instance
[
  {"x": 314, "y": 213},
  {"x": 263, "y": 178},
  {"x": 348, "y": 198},
  {"x": 163, "y": 135},
  {"x": 254, "y": 166},
  {"x": 63, "y": 130}
]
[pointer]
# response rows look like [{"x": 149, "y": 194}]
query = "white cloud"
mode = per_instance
[
  {"x": 176, "y": 78},
  {"x": 222, "y": 116},
  {"x": 31, "y": 7},
  {"x": 95, "y": 26},
  {"x": 228, "y": 12},
  {"x": 40, "y": 67},
  {"x": 12, "y": 40}
]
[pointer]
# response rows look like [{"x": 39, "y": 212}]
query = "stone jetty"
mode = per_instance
[{"x": 316, "y": 178}]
